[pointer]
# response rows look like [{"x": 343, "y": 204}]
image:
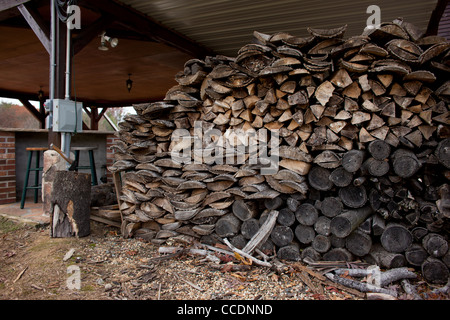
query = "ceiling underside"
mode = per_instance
[
  {"x": 154, "y": 51},
  {"x": 226, "y": 25}
]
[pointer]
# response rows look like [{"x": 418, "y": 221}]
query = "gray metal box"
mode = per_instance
[{"x": 67, "y": 116}]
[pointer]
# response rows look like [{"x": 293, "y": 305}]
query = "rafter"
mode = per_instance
[
  {"x": 436, "y": 15},
  {"x": 8, "y": 4},
  {"x": 37, "y": 24}
]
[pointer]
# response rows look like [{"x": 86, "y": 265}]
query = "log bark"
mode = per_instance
[
  {"x": 344, "y": 224},
  {"x": 70, "y": 203},
  {"x": 379, "y": 256}
]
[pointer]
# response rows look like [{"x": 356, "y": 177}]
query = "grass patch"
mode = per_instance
[{"x": 7, "y": 225}]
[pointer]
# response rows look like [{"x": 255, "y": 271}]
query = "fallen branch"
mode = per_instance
[
  {"x": 246, "y": 255},
  {"x": 360, "y": 286},
  {"x": 263, "y": 232},
  {"x": 379, "y": 296},
  {"x": 380, "y": 278},
  {"x": 410, "y": 289},
  {"x": 20, "y": 275},
  {"x": 193, "y": 285},
  {"x": 176, "y": 251}
]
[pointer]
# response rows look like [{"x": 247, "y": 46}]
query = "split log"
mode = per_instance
[{"x": 352, "y": 126}]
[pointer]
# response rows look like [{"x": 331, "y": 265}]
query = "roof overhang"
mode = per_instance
[{"x": 156, "y": 38}]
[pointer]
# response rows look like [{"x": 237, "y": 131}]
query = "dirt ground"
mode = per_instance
[{"x": 34, "y": 266}]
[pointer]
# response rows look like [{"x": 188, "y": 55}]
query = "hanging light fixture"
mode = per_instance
[
  {"x": 40, "y": 94},
  {"x": 113, "y": 42},
  {"x": 129, "y": 83}
]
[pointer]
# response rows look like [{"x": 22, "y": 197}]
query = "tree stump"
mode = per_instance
[{"x": 70, "y": 204}]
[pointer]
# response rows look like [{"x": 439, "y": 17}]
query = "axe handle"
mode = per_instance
[{"x": 52, "y": 146}]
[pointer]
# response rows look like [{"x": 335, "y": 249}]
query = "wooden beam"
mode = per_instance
[
  {"x": 35, "y": 112},
  {"x": 8, "y": 4},
  {"x": 144, "y": 25},
  {"x": 436, "y": 15},
  {"x": 101, "y": 113},
  {"x": 37, "y": 24}
]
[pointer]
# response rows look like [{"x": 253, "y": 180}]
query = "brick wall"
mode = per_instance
[
  {"x": 110, "y": 141},
  {"x": 7, "y": 167}
]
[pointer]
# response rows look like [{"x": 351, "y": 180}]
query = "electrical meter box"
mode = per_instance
[{"x": 67, "y": 116}]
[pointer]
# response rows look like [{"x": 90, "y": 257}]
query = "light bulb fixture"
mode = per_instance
[
  {"x": 129, "y": 83},
  {"x": 113, "y": 42}
]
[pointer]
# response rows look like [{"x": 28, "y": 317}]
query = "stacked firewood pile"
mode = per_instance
[{"x": 357, "y": 130}]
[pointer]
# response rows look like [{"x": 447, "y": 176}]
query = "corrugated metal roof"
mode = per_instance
[
  {"x": 444, "y": 24},
  {"x": 226, "y": 25}
]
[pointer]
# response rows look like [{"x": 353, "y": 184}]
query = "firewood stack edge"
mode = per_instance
[{"x": 362, "y": 150}]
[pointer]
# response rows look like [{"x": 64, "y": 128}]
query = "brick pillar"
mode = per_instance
[
  {"x": 7, "y": 167},
  {"x": 110, "y": 141}
]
